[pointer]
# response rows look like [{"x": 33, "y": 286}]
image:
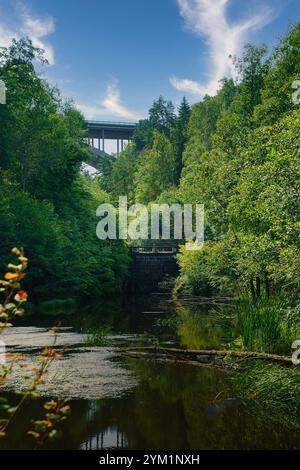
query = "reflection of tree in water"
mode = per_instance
[
  {"x": 179, "y": 411},
  {"x": 173, "y": 407},
  {"x": 175, "y": 404},
  {"x": 111, "y": 438},
  {"x": 202, "y": 329}
]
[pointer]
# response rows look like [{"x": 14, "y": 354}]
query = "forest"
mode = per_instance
[
  {"x": 48, "y": 207},
  {"x": 238, "y": 154}
]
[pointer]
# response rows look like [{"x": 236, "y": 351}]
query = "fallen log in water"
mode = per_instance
[
  {"x": 165, "y": 359},
  {"x": 210, "y": 356},
  {"x": 196, "y": 300}
]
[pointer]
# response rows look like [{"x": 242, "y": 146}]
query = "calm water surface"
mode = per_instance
[{"x": 137, "y": 404}]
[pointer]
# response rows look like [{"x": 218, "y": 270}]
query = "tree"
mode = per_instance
[
  {"x": 162, "y": 115},
  {"x": 179, "y": 135},
  {"x": 122, "y": 181},
  {"x": 265, "y": 210},
  {"x": 284, "y": 70},
  {"x": 161, "y": 118},
  {"x": 156, "y": 169},
  {"x": 43, "y": 138},
  {"x": 246, "y": 174},
  {"x": 252, "y": 70},
  {"x": 46, "y": 205}
]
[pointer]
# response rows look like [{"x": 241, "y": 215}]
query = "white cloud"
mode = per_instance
[
  {"x": 208, "y": 19},
  {"x": 6, "y": 36},
  {"x": 35, "y": 28},
  {"x": 110, "y": 107}
]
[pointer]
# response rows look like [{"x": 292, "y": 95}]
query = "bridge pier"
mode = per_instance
[
  {"x": 122, "y": 145},
  {"x": 103, "y": 140}
]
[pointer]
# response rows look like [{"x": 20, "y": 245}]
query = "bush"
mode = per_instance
[{"x": 204, "y": 272}]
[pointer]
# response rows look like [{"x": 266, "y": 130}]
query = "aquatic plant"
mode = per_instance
[
  {"x": 273, "y": 386},
  {"x": 98, "y": 336},
  {"x": 267, "y": 324}
]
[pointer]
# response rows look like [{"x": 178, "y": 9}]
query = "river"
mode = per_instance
[{"x": 129, "y": 403}]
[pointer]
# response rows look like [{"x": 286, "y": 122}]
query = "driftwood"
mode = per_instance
[
  {"x": 203, "y": 302},
  {"x": 209, "y": 357},
  {"x": 200, "y": 298},
  {"x": 196, "y": 300},
  {"x": 165, "y": 359}
]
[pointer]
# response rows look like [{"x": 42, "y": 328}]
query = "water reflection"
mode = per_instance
[
  {"x": 168, "y": 406},
  {"x": 173, "y": 407},
  {"x": 111, "y": 438},
  {"x": 203, "y": 328}
]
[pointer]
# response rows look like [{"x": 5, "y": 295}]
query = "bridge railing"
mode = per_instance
[{"x": 116, "y": 123}]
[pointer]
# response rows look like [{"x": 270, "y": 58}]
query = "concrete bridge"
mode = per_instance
[{"x": 99, "y": 131}]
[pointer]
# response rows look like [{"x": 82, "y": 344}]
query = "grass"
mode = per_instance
[
  {"x": 275, "y": 387},
  {"x": 267, "y": 325},
  {"x": 98, "y": 336}
]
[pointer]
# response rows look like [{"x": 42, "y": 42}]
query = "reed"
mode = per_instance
[{"x": 267, "y": 325}]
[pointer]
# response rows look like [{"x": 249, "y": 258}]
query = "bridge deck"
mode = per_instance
[{"x": 110, "y": 130}]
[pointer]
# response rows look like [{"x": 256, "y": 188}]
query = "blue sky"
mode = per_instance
[{"x": 114, "y": 57}]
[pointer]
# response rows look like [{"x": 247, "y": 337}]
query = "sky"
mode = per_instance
[{"x": 114, "y": 57}]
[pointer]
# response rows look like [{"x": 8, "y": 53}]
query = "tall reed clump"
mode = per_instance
[
  {"x": 267, "y": 325},
  {"x": 272, "y": 386}
]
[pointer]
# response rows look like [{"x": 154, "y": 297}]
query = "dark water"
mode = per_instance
[{"x": 137, "y": 404}]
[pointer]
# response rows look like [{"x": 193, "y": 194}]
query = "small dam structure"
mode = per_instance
[{"x": 151, "y": 266}]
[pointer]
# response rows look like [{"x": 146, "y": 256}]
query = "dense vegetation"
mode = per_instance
[
  {"x": 238, "y": 153},
  {"x": 46, "y": 205}
]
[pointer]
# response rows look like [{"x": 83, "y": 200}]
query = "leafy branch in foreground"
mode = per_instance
[
  {"x": 14, "y": 297},
  {"x": 56, "y": 411}
]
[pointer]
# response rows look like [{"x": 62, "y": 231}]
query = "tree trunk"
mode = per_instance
[
  {"x": 253, "y": 293},
  {"x": 267, "y": 285},
  {"x": 258, "y": 288}
]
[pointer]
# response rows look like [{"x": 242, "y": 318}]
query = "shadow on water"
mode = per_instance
[
  {"x": 168, "y": 406},
  {"x": 171, "y": 408}
]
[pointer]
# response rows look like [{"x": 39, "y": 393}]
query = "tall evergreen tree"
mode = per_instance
[
  {"x": 161, "y": 118},
  {"x": 179, "y": 135}
]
